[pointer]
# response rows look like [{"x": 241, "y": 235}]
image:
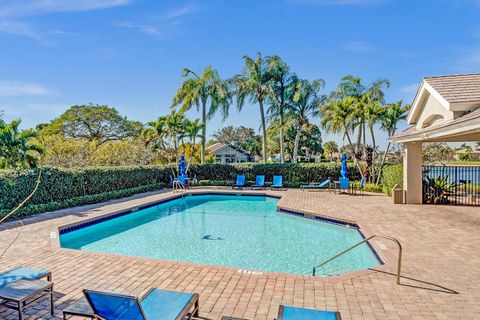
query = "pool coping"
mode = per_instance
[{"x": 384, "y": 261}]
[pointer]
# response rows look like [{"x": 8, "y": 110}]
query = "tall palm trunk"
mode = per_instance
[
  {"x": 384, "y": 157},
  {"x": 281, "y": 135},
  {"x": 204, "y": 131},
  {"x": 357, "y": 163},
  {"x": 374, "y": 144},
  {"x": 264, "y": 130},
  {"x": 297, "y": 143},
  {"x": 359, "y": 137},
  {"x": 364, "y": 138},
  {"x": 175, "y": 145}
]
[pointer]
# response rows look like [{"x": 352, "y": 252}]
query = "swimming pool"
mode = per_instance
[{"x": 245, "y": 232}]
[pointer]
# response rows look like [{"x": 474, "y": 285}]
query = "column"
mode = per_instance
[{"x": 412, "y": 172}]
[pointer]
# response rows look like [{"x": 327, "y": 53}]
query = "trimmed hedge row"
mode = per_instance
[
  {"x": 61, "y": 188},
  {"x": 293, "y": 174}
]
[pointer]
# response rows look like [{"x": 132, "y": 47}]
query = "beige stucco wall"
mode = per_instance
[
  {"x": 433, "y": 107},
  {"x": 412, "y": 172}
]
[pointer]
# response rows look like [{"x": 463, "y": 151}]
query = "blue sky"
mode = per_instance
[{"x": 129, "y": 53}]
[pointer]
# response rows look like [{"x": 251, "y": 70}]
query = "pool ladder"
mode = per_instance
[
  {"x": 399, "y": 245},
  {"x": 179, "y": 186}
]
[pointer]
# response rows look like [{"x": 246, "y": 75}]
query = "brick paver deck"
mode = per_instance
[{"x": 441, "y": 269}]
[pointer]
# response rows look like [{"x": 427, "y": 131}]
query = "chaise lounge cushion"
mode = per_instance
[
  {"x": 162, "y": 304},
  {"x": 293, "y": 313},
  {"x": 21, "y": 273}
]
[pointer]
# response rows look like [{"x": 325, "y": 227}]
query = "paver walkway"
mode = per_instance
[{"x": 441, "y": 269}]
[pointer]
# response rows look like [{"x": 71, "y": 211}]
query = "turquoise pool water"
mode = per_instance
[{"x": 244, "y": 232}]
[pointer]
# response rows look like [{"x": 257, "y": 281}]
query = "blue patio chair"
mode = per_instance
[
  {"x": 322, "y": 185},
  {"x": 259, "y": 182},
  {"x": 277, "y": 182},
  {"x": 156, "y": 304},
  {"x": 240, "y": 183},
  {"x": 171, "y": 181},
  {"x": 23, "y": 273},
  {"x": 293, "y": 313}
]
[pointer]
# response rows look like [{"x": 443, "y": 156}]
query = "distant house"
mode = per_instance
[
  {"x": 226, "y": 153},
  {"x": 474, "y": 154}
]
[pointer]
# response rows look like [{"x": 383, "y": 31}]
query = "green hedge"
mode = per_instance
[
  {"x": 293, "y": 174},
  {"x": 61, "y": 188},
  {"x": 391, "y": 176}
]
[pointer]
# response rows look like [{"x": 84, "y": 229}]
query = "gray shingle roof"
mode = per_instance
[{"x": 457, "y": 88}]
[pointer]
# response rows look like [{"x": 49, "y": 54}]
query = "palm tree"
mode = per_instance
[
  {"x": 281, "y": 89},
  {"x": 305, "y": 104},
  {"x": 174, "y": 127},
  {"x": 373, "y": 115},
  {"x": 253, "y": 84},
  {"x": 18, "y": 149},
  {"x": 192, "y": 129},
  {"x": 200, "y": 90},
  {"x": 337, "y": 118},
  {"x": 363, "y": 98},
  {"x": 393, "y": 114},
  {"x": 330, "y": 148},
  {"x": 155, "y": 133}
]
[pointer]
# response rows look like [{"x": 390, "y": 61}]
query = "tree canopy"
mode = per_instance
[{"x": 99, "y": 123}]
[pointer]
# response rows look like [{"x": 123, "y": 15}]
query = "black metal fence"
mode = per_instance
[{"x": 455, "y": 185}]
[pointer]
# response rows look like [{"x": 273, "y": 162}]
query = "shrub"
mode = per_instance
[
  {"x": 293, "y": 174},
  {"x": 61, "y": 188},
  {"x": 392, "y": 175}
]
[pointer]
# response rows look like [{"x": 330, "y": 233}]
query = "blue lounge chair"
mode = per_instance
[
  {"x": 23, "y": 273},
  {"x": 240, "y": 182},
  {"x": 259, "y": 182},
  {"x": 156, "y": 304},
  {"x": 277, "y": 182},
  {"x": 293, "y": 313},
  {"x": 322, "y": 185}
]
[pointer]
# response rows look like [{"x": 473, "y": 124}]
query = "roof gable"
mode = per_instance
[{"x": 453, "y": 92}]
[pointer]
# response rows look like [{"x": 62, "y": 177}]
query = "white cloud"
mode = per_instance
[
  {"x": 16, "y": 8},
  {"x": 181, "y": 11},
  {"x": 18, "y": 29},
  {"x": 12, "y": 88},
  {"x": 338, "y": 2},
  {"x": 147, "y": 29},
  {"x": 359, "y": 46}
]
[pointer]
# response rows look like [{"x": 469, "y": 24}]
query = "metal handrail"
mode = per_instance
[
  {"x": 400, "y": 250},
  {"x": 177, "y": 185}
]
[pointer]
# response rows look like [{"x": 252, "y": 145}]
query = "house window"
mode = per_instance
[
  {"x": 230, "y": 158},
  {"x": 218, "y": 158}
]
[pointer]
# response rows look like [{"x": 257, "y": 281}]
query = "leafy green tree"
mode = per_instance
[
  {"x": 282, "y": 86},
  {"x": 393, "y": 114},
  {"x": 330, "y": 147},
  {"x": 304, "y": 105},
  {"x": 310, "y": 143},
  {"x": 200, "y": 90},
  {"x": 97, "y": 123},
  {"x": 241, "y": 137},
  {"x": 254, "y": 84},
  {"x": 437, "y": 152},
  {"x": 18, "y": 149}
]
